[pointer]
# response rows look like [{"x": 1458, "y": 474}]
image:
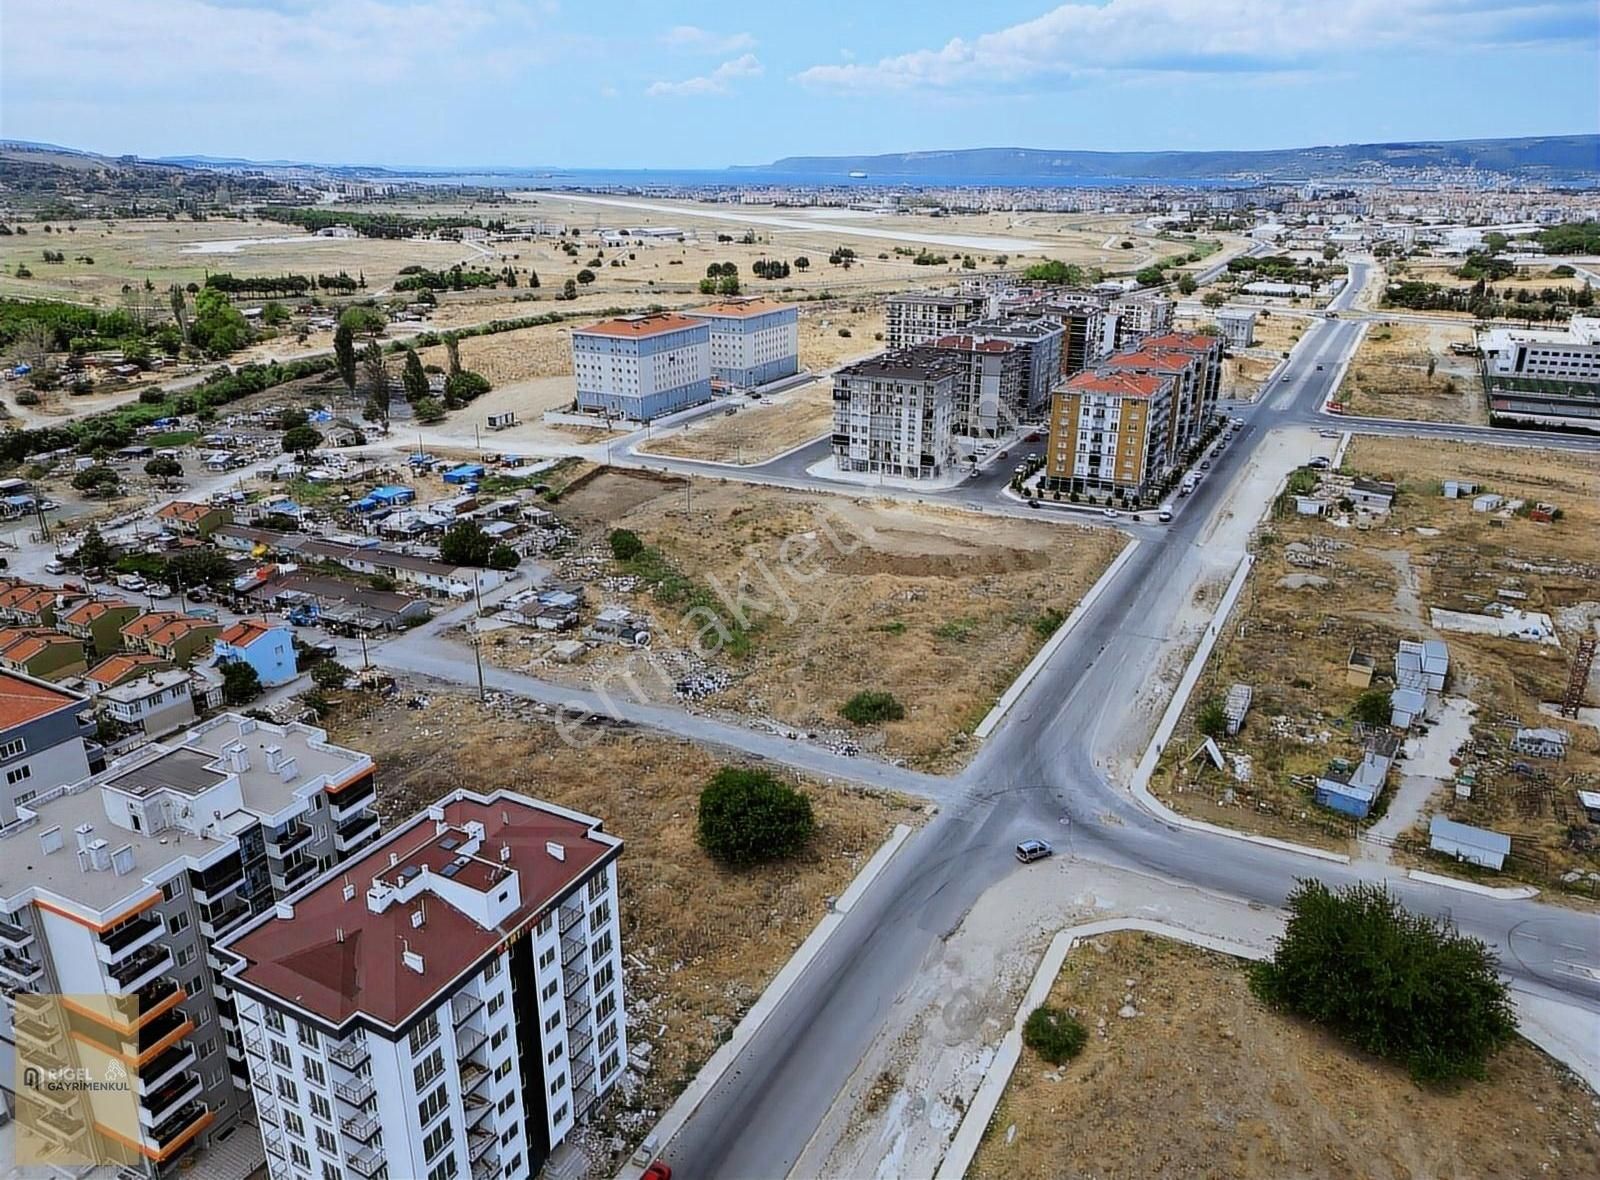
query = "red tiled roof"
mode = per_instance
[
  {"x": 35, "y": 642},
  {"x": 245, "y": 632},
  {"x": 23, "y": 700},
  {"x": 302, "y": 960},
  {"x": 637, "y": 327},
  {"x": 1197, "y": 341},
  {"x": 86, "y": 613},
  {"x": 148, "y": 622},
  {"x": 1122, "y": 384},
  {"x": 18, "y": 593},
  {"x": 36, "y": 601},
  {"x": 113, "y": 670},
  {"x": 185, "y": 510},
  {"x": 737, "y": 308},
  {"x": 178, "y": 628},
  {"x": 1152, "y": 358}
]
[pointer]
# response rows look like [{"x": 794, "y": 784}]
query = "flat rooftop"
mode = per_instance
[
  {"x": 337, "y": 957},
  {"x": 924, "y": 363}
]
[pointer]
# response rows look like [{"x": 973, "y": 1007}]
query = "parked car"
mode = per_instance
[
  {"x": 1111, "y": 512},
  {"x": 1205, "y": 465},
  {"x": 1328, "y": 433},
  {"x": 1031, "y": 850},
  {"x": 1320, "y": 463},
  {"x": 133, "y": 583},
  {"x": 660, "y": 1170},
  {"x": 55, "y": 566},
  {"x": 158, "y": 590}
]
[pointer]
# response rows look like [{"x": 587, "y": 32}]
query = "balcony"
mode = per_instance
[
  {"x": 147, "y": 1001},
  {"x": 472, "y": 1076},
  {"x": 578, "y": 1042},
  {"x": 468, "y": 1042},
  {"x": 486, "y": 1169},
  {"x": 19, "y": 972},
  {"x": 290, "y": 840},
  {"x": 346, "y": 803},
  {"x": 163, "y": 1031},
  {"x": 350, "y": 1053},
  {"x": 464, "y": 1004},
  {"x": 478, "y": 1143},
  {"x": 361, "y": 1127},
  {"x": 356, "y": 832},
  {"x": 133, "y": 973},
  {"x": 476, "y": 1107},
  {"x": 573, "y": 945},
  {"x": 357, "y": 1092},
  {"x": 222, "y": 918},
  {"x": 14, "y": 937},
  {"x": 367, "y": 1162},
  {"x": 298, "y": 873},
  {"x": 130, "y": 936},
  {"x": 36, "y": 1030},
  {"x": 582, "y": 1071},
  {"x": 62, "y": 1126},
  {"x": 180, "y": 1127},
  {"x": 570, "y": 915},
  {"x": 273, "y": 1142},
  {"x": 165, "y": 1067},
  {"x": 255, "y": 1046},
  {"x": 154, "y": 1108}
]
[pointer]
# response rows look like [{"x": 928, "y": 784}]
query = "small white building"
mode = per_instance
[{"x": 1238, "y": 326}]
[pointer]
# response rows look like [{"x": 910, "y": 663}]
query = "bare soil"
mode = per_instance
[
  {"x": 1406, "y": 370},
  {"x": 700, "y": 941},
  {"x": 1205, "y": 1081},
  {"x": 756, "y": 434}
]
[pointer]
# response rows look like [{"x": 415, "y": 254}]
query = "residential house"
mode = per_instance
[
  {"x": 156, "y": 703},
  {"x": 266, "y": 646},
  {"x": 42, "y": 607},
  {"x": 1110, "y": 434},
  {"x": 1238, "y": 326},
  {"x": 121, "y": 668},
  {"x": 1353, "y": 788},
  {"x": 98, "y": 623},
  {"x": 177, "y": 638},
  {"x": 1358, "y": 669},
  {"x": 1376, "y": 496},
  {"x": 46, "y": 733},
  {"x": 1405, "y": 706},
  {"x": 190, "y": 519},
  {"x": 1455, "y": 489},
  {"x": 41, "y": 653},
  {"x": 1477, "y": 846},
  {"x": 1487, "y": 502},
  {"x": 921, "y": 317}
]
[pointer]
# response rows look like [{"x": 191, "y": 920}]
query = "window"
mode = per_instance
[
  {"x": 492, "y": 969},
  {"x": 428, "y": 1069},
  {"x": 436, "y": 1140},
  {"x": 169, "y": 889},
  {"x": 547, "y": 958},
  {"x": 326, "y": 1143},
  {"x": 274, "y": 1019},
  {"x": 606, "y": 1006},
  {"x": 294, "y": 1124},
  {"x": 506, "y": 1103},
  {"x": 550, "y": 989},
  {"x": 433, "y": 1105},
  {"x": 496, "y": 1002},
  {"x": 26, "y": 797},
  {"x": 314, "y": 1073},
  {"x": 12, "y": 748},
  {"x": 302, "y": 1157},
  {"x": 556, "y": 1051},
  {"x": 20, "y": 773},
  {"x": 179, "y": 922},
  {"x": 597, "y": 886},
  {"x": 554, "y": 1021},
  {"x": 330, "y": 1171},
  {"x": 608, "y": 1036},
  {"x": 287, "y": 1091},
  {"x": 560, "y": 1115},
  {"x": 424, "y": 1033},
  {"x": 502, "y": 1071},
  {"x": 281, "y": 1055},
  {"x": 556, "y": 1083},
  {"x": 319, "y": 1107},
  {"x": 498, "y": 1039},
  {"x": 308, "y": 1036},
  {"x": 444, "y": 1170},
  {"x": 601, "y": 947},
  {"x": 609, "y": 1065},
  {"x": 600, "y": 915}
]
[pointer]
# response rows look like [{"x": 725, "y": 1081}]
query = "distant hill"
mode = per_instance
[{"x": 1548, "y": 157}]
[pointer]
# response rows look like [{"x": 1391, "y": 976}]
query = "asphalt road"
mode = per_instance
[{"x": 1042, "y": 764}]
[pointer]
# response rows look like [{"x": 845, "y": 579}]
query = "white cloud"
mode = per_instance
[
  {"x": 693, "y": 39},
  {"x": 1204, "y": 36},
  {"x": 716, "y": 82}
]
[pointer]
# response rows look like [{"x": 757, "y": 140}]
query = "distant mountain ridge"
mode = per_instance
[{"x": 1543, "y": 157}]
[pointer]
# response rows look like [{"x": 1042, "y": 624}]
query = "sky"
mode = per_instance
[{"x": 628, "y": 84}]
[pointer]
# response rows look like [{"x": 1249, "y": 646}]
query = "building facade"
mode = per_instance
[
  {"x": 1110, "y": 434},
  {"x": 640, "y": 367},
  {"x": 753, "y": 341},
  {"x": 991, "y": 386},
  {"x": 1139, "y": 315},
  {"x": 114, "y": 892},
  {"x": 923, "y": 317},
  {"x": 1038, "y": 341},
  {"x": 894, "y": 414},
  {"x": 46, "y": 740},
  {"x": 266, "y": 646},
  {"x": 449, "y": 1005}
]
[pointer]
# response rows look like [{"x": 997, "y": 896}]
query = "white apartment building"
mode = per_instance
[
  {"x": 1138, "y": 316},
  {"x": 753, "y": 341},
  {"x": 449, "y": 1005},
  {"x": 1238, "y": 326},
  {"x": 923, "y": 317},
  {"x": 113, "y": 894},
  {"x": 894, "y": 414},
  {"x": 640, "y": 367},
  {"x": 1570, "y": 354}
]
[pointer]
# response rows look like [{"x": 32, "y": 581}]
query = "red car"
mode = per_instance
[{"x": 660, "y": 1170}]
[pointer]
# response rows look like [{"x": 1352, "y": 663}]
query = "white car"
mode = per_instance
[
  {"x": 1031, "y": 850},
  {"x": 1328, "y": 433},
  {"x": 1111, "y": 512}
]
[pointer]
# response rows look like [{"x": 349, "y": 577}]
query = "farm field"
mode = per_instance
[
  {"x": 1248, "y": 1093},
  {"x": 1319, "y": 591},
  {"x": 702, "y": 941},
  {"x": 939, "y": 608}
]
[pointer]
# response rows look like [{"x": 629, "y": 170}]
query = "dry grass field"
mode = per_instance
[
  {"x": 1406, "y": 370},
  {"x": 1319, "y": 590},
  {"x": 702, "y": 941},
  {"x": 940, "y": 608},
  {"x": 756, "y": 434},
  {"x": 1207, "y": 1082}
]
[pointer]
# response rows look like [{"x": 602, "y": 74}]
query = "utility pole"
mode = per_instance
[
  {"x": 365, "y": 662},
  {"x": 477, "y": 652}
]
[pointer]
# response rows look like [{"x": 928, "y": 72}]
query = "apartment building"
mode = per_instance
[
  {"x": 113, "y": 894},
  {"x": 1139, "y": 315},
  {"x": 992, "y": 385},
  {"x": 1110, "y": 433},
  {"x": 1187, "y": 372},
  {"x": 753, "y": 341},
  {"x": 447, "y": 1005},
  {"x": 921, "y": 317},
  {"x": 640, "y": 367},
  {"x": 1208, "y": 352},
  {"x": 1088, "y": 333},
  {"x": 46, "y": 740},
  {"x": 155, "y": 704},
  {"x": 1038, "y": 340},
  {"x": 894, "y": 414},
  {"x": 1238, "y": 326}
]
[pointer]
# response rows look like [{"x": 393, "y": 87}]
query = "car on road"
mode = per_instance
[
  {"x": 158, "y": 590},
  {"x": 1164, "y": 514},
  {"x": 1320, "y": 463},
  {"x": 1205, "y": 465},
  {"x": 1328, "y": 433},
  {"x": 55, "y": 566},
  {"x": 1005, "y": 455},
  {"x": 1111, "y": 512},
  {"x": 1031, "y": 850},
  {"x": 660, "y": 1170},
  {"x": 1033, "y": 503},
  {"x": 1319, "y": 368}
]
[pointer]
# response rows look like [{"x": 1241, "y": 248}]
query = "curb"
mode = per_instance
[
  {"x": 1502, "y": 892},
  {"x": 662, "y": 1134},
  {"x": 1140, "y": 786},
  {"x": 1042, "y": 656},
  {"x": 964, "y": 1145}
]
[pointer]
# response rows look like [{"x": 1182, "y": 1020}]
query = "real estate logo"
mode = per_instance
[{"x": 76, "y": 1100}]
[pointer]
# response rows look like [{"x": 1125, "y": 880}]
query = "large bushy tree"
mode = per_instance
[{"x": 749, "y": 817}]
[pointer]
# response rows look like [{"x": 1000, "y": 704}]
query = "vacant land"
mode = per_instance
[
  {"x": 792, "y": 603},
  {"x": 702, "y": 941},
  {"x": 1205, "y": 1081},
  {"x": 756, "y": 434},
  {"x": 1319, "y": 591},
  {"x": 1407, "y": 370},
  {"x": 1244, "y": 370}
]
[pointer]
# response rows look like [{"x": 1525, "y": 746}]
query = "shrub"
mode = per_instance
[
  {"x": 1054, "y": 1035},
  {"x": 749, "y": 817},
  {"x": 869, "y": 707},
  {"x": 1393, "y": 983},
  {"x": 625, "y": 544},
  {"x": 1212, "y": 720},
  {"x": 240, "y": 684},
  {"x": 330, "y": 674},
  {"x": 1372, "y": 707}
]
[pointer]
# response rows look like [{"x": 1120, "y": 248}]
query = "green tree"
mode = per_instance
[
  {"x": 240, "y": 684},
  {"x": 180, "y": 310},
  {"x": 97, "y": 481},
  {"x": 344, "y": 355},
  {"x": 364, "y": 319},
  {"x": 302, "y": 440},
  {"x": 1212, "y": 719},
  {"x": 1053, "y": 270},
  {"x": 465, "y": 385},
  {"x": 569, "y": 290},
  {"x": 870, "y": 707},
  {"x": 163, "y": 467},
  {"x": 1395, "y": 984},
  {"x": 1494, "y": 241},
  {"x": 413, "y": 378},
  {"x": 292, "y": 416},
  {"x": 802, "y": 263},
  {"x": 503, "y": 557},
  {"x": 1187, "y": 285},
  {"x": 1054, "y": 1034},
  {"x": 275, "y": 314},
  {"x": 329, "y": 675},
  {"x": 585, "y": 276},
  {"x": 749, "y": 817},
  {"x": 625, "y": 544},
  {"x": 1213, "y": 299},
  {"x": 728, "y": 285},
  {"x": 452, "y": 353},
  {"x": 465, "y": 543},
  {"x": 1150, "y": 276},
  {"x": 1372, "y": 707},
  {"x": 428, "y": 410},
  {"x": 219, "y": 327},
  {"x": 93, "y": 552},
  {"x": 376, "y": 372}
]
